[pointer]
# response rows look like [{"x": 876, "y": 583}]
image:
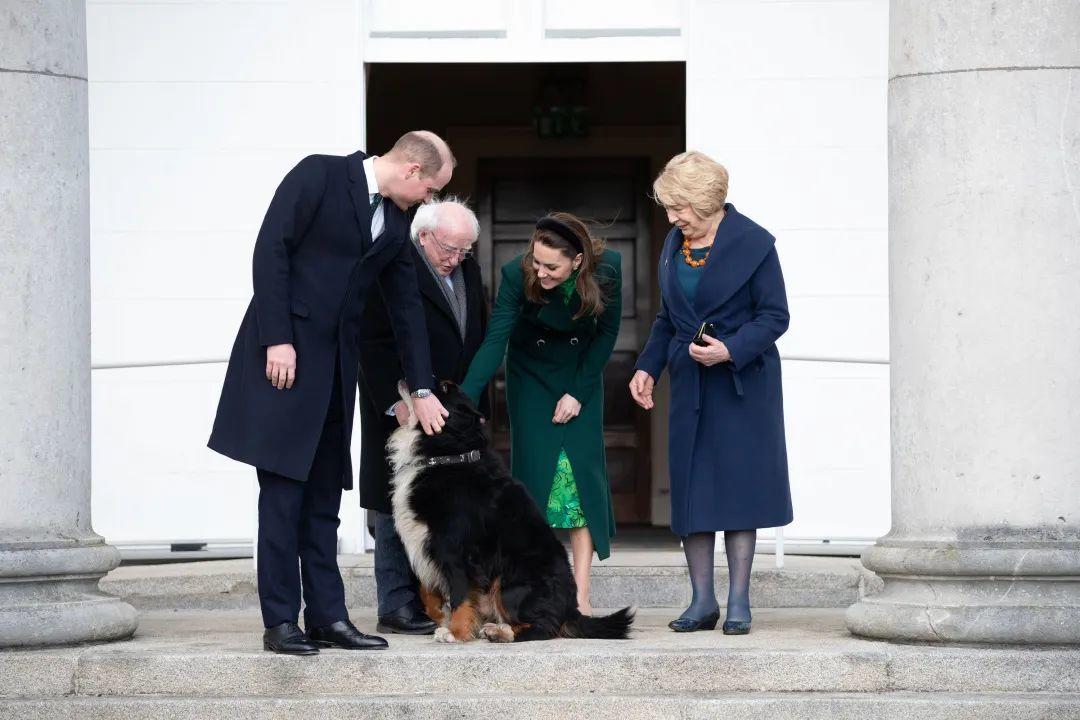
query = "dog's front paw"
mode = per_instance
[
  {"x": 498, "y": 632},
  {"x": 444, "y": 635}
]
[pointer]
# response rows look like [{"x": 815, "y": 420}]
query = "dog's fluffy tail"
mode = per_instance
[{"x": 615, "y": 626}]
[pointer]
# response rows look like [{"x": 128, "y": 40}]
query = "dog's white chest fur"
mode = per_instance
[{"x": 407, "y": 466}]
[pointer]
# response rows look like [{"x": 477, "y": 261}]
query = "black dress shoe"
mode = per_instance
[
  {"x": 288, "y": 639},
  {"x": 343, "y": 634},
  {"x": 736, "y": 627},
  {"x": 407, "y": 620},
  {"x": 690, "y": 625}
]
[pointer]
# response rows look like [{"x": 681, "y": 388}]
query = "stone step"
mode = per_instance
[
  {"x": 648, "y": 579},
  {"x": 215, "y": 655},
  {"x": 752, "y": 706}
]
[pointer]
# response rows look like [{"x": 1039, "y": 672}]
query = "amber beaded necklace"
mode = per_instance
[{"x": 689, "y": 258}]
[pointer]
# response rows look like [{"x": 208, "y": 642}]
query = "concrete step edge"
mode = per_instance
[{"x": 763, "y": 706}]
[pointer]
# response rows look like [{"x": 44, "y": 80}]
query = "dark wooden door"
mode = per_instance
[{"x": 513, "y": 194}]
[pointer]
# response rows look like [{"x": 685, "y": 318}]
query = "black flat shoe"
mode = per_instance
[
  {"x": 736, "y": 627},
  {"x": 407, "y": 620},
  {"x": 343, "y": 634},
  {"x": 288, "y": 639},
  {"x": 690, "y": 625}
]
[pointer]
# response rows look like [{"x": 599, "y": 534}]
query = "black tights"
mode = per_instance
[{"x": 699, "y": 549}]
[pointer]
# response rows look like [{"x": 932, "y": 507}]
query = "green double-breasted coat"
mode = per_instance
[{"x": 548, "y": 354}]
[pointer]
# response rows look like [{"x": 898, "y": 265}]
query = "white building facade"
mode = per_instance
[{"x": 199, "y": 107}]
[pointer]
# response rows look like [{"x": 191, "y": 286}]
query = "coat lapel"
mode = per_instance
[
  {"x": 395, "y": 232},
  {"x": 358, "y": 193},
  {"x": 738, "y": 249},
  {"x": 670, "y": 286},
  {"x": 430, "y": 289}
]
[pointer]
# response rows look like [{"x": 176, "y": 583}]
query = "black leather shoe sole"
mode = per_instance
[
  {"x": 384, "y": 628},
  {"x": 341, "y": 646},
  {"x": 280, "y": 651}
]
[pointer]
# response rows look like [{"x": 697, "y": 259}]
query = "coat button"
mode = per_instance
[{"x": 573, "y": 341}]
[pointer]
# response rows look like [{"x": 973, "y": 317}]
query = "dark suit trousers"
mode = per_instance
[
  {"x": 395, "y": 584},
  {"x": 298, "y": 523}
]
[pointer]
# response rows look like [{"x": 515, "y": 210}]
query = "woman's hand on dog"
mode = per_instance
[{"x": 566, "y": 409}]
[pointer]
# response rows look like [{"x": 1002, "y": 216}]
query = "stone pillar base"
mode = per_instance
[
  {"x": 972, "y": 592},
  {"x": 49, "y": 594}
]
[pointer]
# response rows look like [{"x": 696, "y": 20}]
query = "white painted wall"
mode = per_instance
[
  {"x": 791, "y": 97},
  {"x": 199, "y": 107},
  {"x": 197, "y": 110}
]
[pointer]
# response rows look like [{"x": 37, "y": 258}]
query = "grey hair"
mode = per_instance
[{"x": 429, "y": 214}]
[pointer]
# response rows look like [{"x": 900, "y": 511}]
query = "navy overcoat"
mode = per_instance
[
  {"x": 727, "y": 454},
  {"x": 314, "y": 264}
]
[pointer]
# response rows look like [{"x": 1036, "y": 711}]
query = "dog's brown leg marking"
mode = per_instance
[
  {"x": 519, "y": 628},
  {"x": 464, "y": 623},
  {"x": 496, "y": 597},
  {"x": 433, "y": 604}
]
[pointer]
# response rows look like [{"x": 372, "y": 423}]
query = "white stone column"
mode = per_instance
[
  {"x": 50, "y": 558},
  {"x": 984, "y": 265}
]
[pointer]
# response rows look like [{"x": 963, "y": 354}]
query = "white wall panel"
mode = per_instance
[
  {"x": 833, "y": 188},
  {"x": 135, "y": 189},
  {"x": 791, "y": 97},
  {"x": 642, "y": 15},
  {"x": 794, "y": 112},
  {"x": 155, "y": 481},
  {"x": 197, "y": 110},
  {"x": 808, "y": 39},
  {"x": 300, "y": 41},
  {"x": 209, "y": 115},
  {"x": 154, "y": 477},
  {"x": 486, "y": 18},
  {"x": 837, "y": 421},
  {"x": 515, "y": 31},
  {"x": 159, "y": 330}
]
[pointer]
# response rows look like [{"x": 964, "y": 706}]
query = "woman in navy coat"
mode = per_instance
[{"x": 727, "y": 456}]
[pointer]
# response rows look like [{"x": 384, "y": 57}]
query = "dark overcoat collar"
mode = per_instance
[
  {"x": 739, "y": 247},
  {"x": 429, "y": 287}
]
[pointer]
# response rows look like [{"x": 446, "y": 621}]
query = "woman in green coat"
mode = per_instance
[{"x": 556, "y": 319}]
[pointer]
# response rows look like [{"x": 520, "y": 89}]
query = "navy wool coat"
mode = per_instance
[
  {"x": 314, "y": 265},
  {"x": 727, "y": 453}
]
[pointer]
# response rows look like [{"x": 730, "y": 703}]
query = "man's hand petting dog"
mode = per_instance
[
  {"x": 566, "y": 409},
  {"x": 431, "y": 414}
]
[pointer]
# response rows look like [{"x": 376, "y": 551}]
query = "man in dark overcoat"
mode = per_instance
[
  {"x": 335, "y": 228},
  {"x": 443, "y": 233}
]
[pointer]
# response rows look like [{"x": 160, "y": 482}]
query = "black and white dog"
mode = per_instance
[{"x": 487, "y": 561}]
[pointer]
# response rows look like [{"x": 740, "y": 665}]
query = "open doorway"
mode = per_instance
[{"x": 586, "y": 138}]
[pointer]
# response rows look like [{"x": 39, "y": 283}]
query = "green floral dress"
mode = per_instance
[{"x": 564, "y": 503}]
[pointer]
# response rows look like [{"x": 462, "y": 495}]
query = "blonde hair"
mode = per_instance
[{"x": 692, "y": 179}]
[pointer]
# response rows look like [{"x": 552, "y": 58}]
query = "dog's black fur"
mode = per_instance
[{"x": 486, "y": 539}]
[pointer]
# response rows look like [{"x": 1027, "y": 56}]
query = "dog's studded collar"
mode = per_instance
[{"x": 471, "y": 456}]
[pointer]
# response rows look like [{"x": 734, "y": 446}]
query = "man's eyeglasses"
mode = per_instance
[{"x": 449, "y": 250}]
